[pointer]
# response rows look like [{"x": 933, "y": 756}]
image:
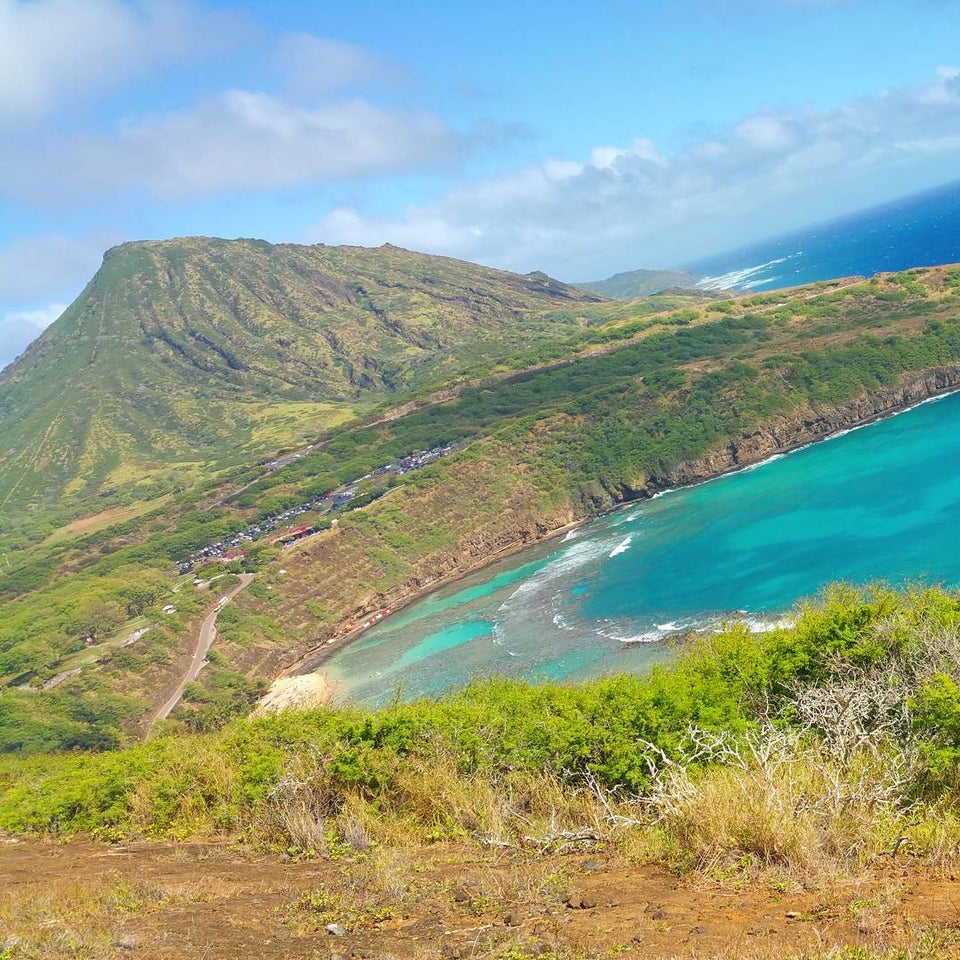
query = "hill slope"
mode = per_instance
[
  {"x": 639, "y": 283},
  {"x": 185, "y": 351}
]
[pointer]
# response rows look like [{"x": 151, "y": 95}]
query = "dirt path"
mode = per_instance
[
  {"x": 205, "y": 638},
  {"x": 224, "y": 902}
]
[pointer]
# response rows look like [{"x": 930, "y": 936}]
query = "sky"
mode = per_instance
[{"x": 579, "y": 139}]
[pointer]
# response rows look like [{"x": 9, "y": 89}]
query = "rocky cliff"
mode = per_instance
[{"x": 805, "y": 425}]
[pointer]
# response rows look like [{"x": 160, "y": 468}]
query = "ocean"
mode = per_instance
[
  {"x": 916, "y": 231},
  {"x": 878, "y": 503}
]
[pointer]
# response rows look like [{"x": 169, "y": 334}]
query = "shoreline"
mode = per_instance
[
  {"x": 733, "y": 457},
  {"x": 319, "y": 655}
]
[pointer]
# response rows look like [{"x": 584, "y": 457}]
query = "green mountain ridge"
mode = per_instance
[
  {"x": 632, "y": 284},
  {"x": 196, "y": 350}
]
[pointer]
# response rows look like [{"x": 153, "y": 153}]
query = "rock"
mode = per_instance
[
  {"x": 337, "y": 929},
  {"x": 638, "y": 937},
  {"x": 592, "y": 866},
  {"x": 462, "y": 895},
  {"x": 128, "y": 942},
  {"x": 699, "y": 929},
  {"x": 574, "y": 902},
  {"x": 588, "y": 903},
  {"x": 512, "y": 919},
  {"x": 613, "y": 903}
]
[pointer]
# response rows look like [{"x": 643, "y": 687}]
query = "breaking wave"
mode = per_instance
[
  {"x": 621, "y": 547},
  {"x": 744, "y": 279}
]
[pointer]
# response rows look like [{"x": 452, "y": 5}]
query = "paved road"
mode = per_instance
[{"x": 204, "y": 641}]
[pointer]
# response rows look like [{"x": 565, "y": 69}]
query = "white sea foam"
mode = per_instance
[
  {"x": 761, "y": 463},
  {"x": 569, "y": 535},
  {"x": 579, "y": 555},
  {"x": 621, "y": 547},
  {"x": 746, "y": 278},
  {"x": 660, "y": 632},
  {"x": 650, "y": 637}
]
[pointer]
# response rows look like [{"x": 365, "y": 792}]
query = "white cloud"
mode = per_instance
[
  {"x": 19, "y": 328},
  {"x": 251, "y": 140},
  {"x": 774, "y": 170},
  {"x": 318, "y": 66},
  {"x": 324, "y": 118},
  {"x": 238, "y": 140},
  {"x": 57, "y": 51}
]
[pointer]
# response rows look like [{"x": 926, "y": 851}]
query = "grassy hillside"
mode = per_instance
[
  {"x": 639, "y": 283},
  {"x": 184, "y": 355},
  {"x": 843, "y": 730}
]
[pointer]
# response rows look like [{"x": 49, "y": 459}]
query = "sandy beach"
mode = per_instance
[{"x": 296, "y": 693}]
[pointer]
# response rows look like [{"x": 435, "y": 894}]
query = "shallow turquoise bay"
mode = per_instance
[{"x": 879, "y": 503}]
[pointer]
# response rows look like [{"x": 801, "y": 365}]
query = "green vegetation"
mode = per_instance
[{"x": 827, "y": 742}]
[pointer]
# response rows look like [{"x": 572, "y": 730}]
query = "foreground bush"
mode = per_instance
[{"x": 831, "y": 740}]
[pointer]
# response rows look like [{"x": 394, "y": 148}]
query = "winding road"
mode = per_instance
[{"x": 208, "y": 632}]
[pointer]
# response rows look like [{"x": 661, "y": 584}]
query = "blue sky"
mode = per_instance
[{"x": 581, "y": 139}]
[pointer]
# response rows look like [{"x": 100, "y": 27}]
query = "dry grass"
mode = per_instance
[
  {"x": 780, "y": 802},
  {"x": 188, "y": 800},
  {"x": 85, "y": 920},
  {"x": 427, "y": 802}
]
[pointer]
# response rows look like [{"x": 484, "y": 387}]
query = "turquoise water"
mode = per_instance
[{"x": 882, "y": 502}]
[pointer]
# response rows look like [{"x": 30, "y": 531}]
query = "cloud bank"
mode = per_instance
[
  {"x": 55, "y": 52},
  {"x": 636, "y": 206}
]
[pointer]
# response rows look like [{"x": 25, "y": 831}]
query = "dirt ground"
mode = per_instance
[{"x": 220, "y": 902}]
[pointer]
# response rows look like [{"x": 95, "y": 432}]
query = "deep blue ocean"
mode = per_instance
[
  {"x": 916, "y": 231},
  {"x": 878, "y": 503}
]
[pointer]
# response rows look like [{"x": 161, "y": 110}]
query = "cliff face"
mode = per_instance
[{"x": 803, "y": 426}]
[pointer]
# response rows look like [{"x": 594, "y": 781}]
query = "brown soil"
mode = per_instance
[{"x": 90, "y": 900}]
